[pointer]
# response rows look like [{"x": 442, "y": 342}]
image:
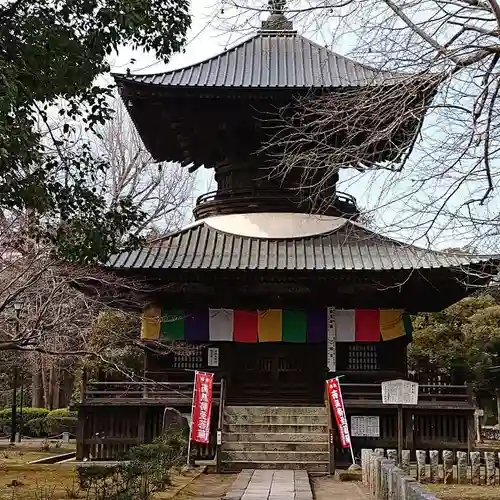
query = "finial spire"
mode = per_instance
[
  {"x": 277, "y": 6},
  {"x": 277, "y": 20}
]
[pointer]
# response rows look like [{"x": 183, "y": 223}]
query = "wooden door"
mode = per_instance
[{"x": 277, "y": 373}]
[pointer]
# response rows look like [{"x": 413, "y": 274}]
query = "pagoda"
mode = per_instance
[{"x": 264, "y": 289}]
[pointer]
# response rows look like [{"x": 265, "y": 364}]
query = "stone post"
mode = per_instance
[
  {"x": 373, "y": 473},
  {"x": 434, "y": 467},
  {"x": 421, "y": 465},
  {"x": 392, "y": 455},
  {"x": 365, "y": 465},
  {"x": 461, "y": 467},
  {"x": 405, "y": 461},
  {"x": 386, "y": 467},
  {"x": 379, "y": 452},
  {"x": 475, "y": 462},
  {"x": 377, "y": 460},
  {"x": 489, "y": 459},
  {"x": 448, "y": 466}
]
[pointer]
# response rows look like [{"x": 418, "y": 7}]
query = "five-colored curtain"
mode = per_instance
[{"x": 275, "y": 325}]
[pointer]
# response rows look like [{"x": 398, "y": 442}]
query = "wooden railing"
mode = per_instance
[
  {"x": 169, "y": 393},
  {"x": 261, "y": 199},
  {"x": 428, "y": 395}
]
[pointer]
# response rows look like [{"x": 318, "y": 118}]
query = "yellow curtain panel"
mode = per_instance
[
  {"x": 150, "y": 325},
  {"x": 270, "y": 325},
  {"x": 391, "y": 324}
]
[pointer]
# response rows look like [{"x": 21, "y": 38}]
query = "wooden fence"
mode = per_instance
[{"x": 115, "y": 416}]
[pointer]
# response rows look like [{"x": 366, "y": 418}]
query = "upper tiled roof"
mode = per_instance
[
  {"x": 347, "y": 246},
  {"x": 269, "y": 59}
]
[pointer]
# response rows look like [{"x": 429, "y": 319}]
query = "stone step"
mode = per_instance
[
  {"x": 274, "y": 428},
  {"x": 274, "y": 456},
  {"x": 274, "y": 410},
  {"x": 289, "y": 437},
  {"x": 275, "y": 445},
  {"x": 276, "y": 419},
  {"x": 318, "y": 467}
]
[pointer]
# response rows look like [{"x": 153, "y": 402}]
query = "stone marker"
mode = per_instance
[
  {"x": 173, "y": 419},
  {"x": 434, "y": 468},
  {"x": 475, "y": 462},
  {"x": 392, "y": 455},
  {"x": 421, "y": 465},
  {"x": 65, "y": 437},
  {"x": 405, "y": 461},
  {"x": 379, "y": 452},
  {"x": 447, "y": 466},
  {"x": 489, "y": 459},
  {"x": 461, "y": 467}
]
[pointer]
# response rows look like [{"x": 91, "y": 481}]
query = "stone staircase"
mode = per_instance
[{"x": 266, "y": 437}]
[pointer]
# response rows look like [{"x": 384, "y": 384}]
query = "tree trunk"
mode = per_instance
[
  {"x": 45, "y": 383},
  {"x": 36, "y": 384},
  {"x": 51, "y": 386},
  {"x": 56, "y": 388}
]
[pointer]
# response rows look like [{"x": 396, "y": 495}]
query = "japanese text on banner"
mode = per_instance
[
  {"x": 335, "y": 395},
  {"x": 202, "y": 407}
]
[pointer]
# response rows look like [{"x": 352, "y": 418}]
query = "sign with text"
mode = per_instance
[
  {"x": 365, "y": 426},
  {"x": 202, "y": 407},
  {"x": 213, "y": 357},
  {"x": 399, "y": 392},
  {"x": 331, "y": 341},
  {"x": 335, "y": 395}
]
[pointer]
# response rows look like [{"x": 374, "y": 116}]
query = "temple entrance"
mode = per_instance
[{"x": 277, "y": 374}]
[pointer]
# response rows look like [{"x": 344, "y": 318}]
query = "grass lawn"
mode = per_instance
[
  {"x": 25, "y": 453},
  {"x": 464, "y": 492},
  {"x": 28, "y": 482},
  {"x": 21, "y": 481}
]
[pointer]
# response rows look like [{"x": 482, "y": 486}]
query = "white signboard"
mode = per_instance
[
  {"x": 364, "y": 426},
  {"x": 213, "y": 357},
  {"x": 399, "y": 392},
  {"x": 331, "y": 341}
]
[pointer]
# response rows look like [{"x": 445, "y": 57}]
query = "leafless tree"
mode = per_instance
[
  {"x": 164, "y": 190},
  {"x": 47, "y": 326},
  {"x": 57, "y": 326},
  {"x": 439, "y": 184}
]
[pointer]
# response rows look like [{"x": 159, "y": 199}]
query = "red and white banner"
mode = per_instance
[
  {"x": 202, "y": 407},
  {"x": 335, "y": 395}
]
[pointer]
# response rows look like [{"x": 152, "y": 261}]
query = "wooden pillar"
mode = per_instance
[
  {"x": 144, "y": 376},
  {"x": 409, "y": 442},
  {"x": 471, "y": 432},
  {"x": 141, "y": 425},
  {"x": 220, "y": 425},
  {"x": 80, "y": 434},
  {"x": 83, "y": 385}
]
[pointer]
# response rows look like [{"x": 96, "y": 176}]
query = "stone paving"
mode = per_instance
[{"x": 271, "y": 485}]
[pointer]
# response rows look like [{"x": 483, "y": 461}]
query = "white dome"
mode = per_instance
[{"x": 274, "y": 225}]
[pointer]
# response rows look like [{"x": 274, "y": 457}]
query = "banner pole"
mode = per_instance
[
  {"x": 343, "y": 409},
  {"x": 191, "y": 426}
]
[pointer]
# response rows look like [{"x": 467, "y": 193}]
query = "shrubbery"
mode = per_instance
[
  {"x": 40, "y": 422},
  {"x": 145, "y": 470}
]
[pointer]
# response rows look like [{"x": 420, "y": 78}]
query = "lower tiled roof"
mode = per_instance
[{"x": 348, "y": 247}]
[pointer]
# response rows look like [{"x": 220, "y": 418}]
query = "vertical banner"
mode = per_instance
[
  {"x": 331, "y": 341},
  {"x": 337, "y": 402},
  {"x": 202, "y": 407}
]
